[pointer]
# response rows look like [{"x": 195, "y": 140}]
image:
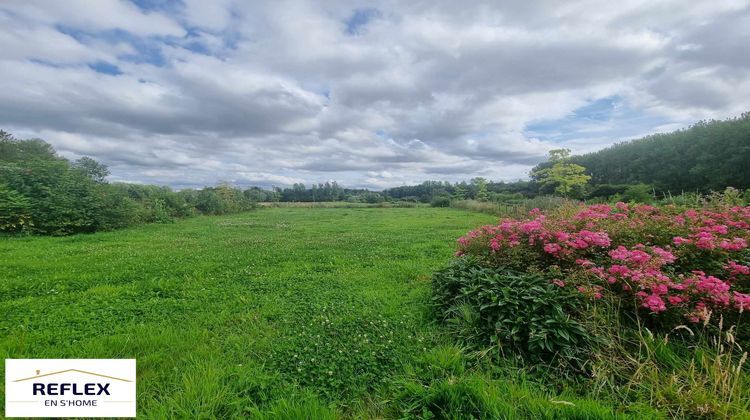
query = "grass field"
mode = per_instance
[{"x": 281, "y": 312}]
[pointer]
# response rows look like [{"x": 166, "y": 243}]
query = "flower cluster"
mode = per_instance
[{"x": 686, "y": 262}]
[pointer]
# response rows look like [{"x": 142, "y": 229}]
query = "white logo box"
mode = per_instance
[{"x": 70, "y": 388}]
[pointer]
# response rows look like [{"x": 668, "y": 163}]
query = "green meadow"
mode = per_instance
[{"x": 278, "y": 313}]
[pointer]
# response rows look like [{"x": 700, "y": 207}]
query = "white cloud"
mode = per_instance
[
  {"x": 278, "y": 92},
  {"x": 99, "y": 15}
]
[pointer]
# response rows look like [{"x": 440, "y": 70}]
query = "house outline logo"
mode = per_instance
[{"x": 38, "y": 375}]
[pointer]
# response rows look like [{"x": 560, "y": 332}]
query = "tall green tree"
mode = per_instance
[
  {"x": 96, "y": 171},
  {"x": 480, "y": 189},
  {"x": 567, "y": 178}
]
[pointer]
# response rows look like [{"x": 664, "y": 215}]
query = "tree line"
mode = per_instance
[
  {"x": 42, "y": 192},
  {"x": 708, "y": 156}
]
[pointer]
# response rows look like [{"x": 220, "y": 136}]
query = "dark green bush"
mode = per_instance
[
  {"x": 41, "y": 192},
  {"x": 14, "y": 211},
  {"x": 637, "y": 193},
  {"x": 443, "y": 201},
  {"x": 605, "y": 191},
  {"x": 522, "y": 312}
]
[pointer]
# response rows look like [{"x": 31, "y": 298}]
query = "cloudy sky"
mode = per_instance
[{"x": 369, "y": 93}]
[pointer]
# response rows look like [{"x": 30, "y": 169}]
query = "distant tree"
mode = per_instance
[
  {"x": 480, "y": 186},
  {"x": 459, "y": 192},
  {"x": 93, "y": 169},
  {"x": 567, "y": 178},
  {"x": 15, "y": 150}
]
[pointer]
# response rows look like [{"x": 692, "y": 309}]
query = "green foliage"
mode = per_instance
[
  {"x": 222, "y": 199},
  {"x": 568, "y": 179},
  {"x": 442, "y": 201},
  {"x": 442, "y": 384},
  {"x": 637, "y": 193},
  {"x": 41, "y": 192},
  {"x": 710, "y": 155},
  {"x": 513, "y": 208},
  {"x": 60, "y": 200},
  {"x": 521, "y": 312},
  {"x": 480, "y": 185},
  {"x": 459, "y": 192},
  {"x": 14, "y": 211},
  {"x": 606, "y": 191},
  {"x": 96, "y": 171}
]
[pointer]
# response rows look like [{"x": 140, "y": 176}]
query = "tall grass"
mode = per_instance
[
  {"x": 512, "y": 210},
  {"x": 342, "y": 205},
  {"x": 729, "y": 197},
  {"x": 686, "y": 373}
]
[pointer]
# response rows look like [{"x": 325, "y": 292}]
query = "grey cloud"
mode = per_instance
[{"x": 279, "y": 92}]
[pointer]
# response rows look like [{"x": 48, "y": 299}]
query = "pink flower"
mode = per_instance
[
  {"x": 716, "y": 290},
  {"x": 532, "y": 226},
  {"x": 552, "y": 248},
  {"x": 679, "y": 240},
  {"x": 665, "y": 255},
  {"x": 735, "y": 244},
  {"x": 674, "y": 300},
  {"x": 620, "y": 253},
  {"x": 704, "y": 240},
  {"x": 595, "y": 238},
  {"x": 720, "y": 229},
  {"x": 654, "y": 304},
  {"x": 737, "y": 269},
  {"x": 741, "y": 301},
  {"x": 659, "y": 289},
  {"x": 562, "y": 236},
  {"x": 620, "y": 270},
  {"x": 558, "y": 282}
]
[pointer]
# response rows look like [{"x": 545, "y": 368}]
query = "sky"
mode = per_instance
[{"x": 372, "y": 94}]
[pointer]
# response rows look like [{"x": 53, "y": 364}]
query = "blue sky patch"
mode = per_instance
[
  {"x": 359, "y": 19},
  {"x": 158, "y": 5},
  {"x": 610, "y": 117},
  {"x": 106, "y": 68}
]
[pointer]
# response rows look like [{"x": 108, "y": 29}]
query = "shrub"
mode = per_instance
[
  {"x": 638, "y": 193},
  {"x": 41, "y": 192},
  {"x": 606, "y": 191},
  {"x": 673, "y": 264},
  {"x": 14, "y": 211},
  {"x": 442, "y": 201},
  {"x": 523, "y": 312}
]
